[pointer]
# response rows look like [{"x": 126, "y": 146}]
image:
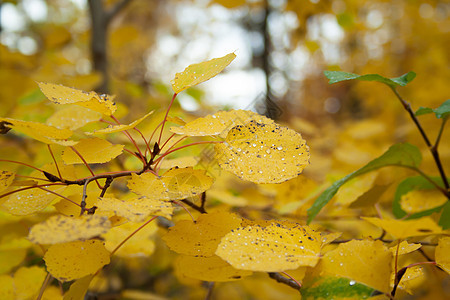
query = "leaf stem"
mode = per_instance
[
  {"x": 165, "y": 117},
  {"x": 184, "y": 146},
  {"x": 131, "y": 235},
  {"x": 29, "y": 187},
  {"x": 86, "y": 164},
  {"x": 44, "y": 286},
  {"x": 54, "y": 160},
  {"x": 22, "y": 163},
  {"x": 59, "y": 195},
  {"x": 184, "y": 207},
  {"x": 128, "y": 135}
]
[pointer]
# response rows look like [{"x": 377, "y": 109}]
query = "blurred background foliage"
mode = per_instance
[
  {"x": 282, "y": 46},
  {"x": 133, "y": 48}
]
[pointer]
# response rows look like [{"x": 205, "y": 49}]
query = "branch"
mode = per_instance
[{"x": 281, "y": 279}]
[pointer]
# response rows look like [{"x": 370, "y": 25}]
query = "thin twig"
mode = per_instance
[
  {"x": 433, "y": 149},
  {"x": 200, "y": 209},
  {"x": 131, "y": 235},
  {"x": 44, "y": 286}
]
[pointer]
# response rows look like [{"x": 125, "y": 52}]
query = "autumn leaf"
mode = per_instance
[
  {"x": 405, "y": 155},
  {"x": 367, "y": 262},
  {"x": 441, "y": 254},
  {"x": 402, "y": 229},
  {"x": 62, "y": 229},
  {"x": 421, "y": 200},
  {"x": 202, "y": 237},
  {"x": 118, "y": 128},
  {"x": 198, "y": 73},
  {"x": 175, "y": 184},
  {"x": 136, "y": 209},
  {"x": 263, "y": 153},
  {"x": 208, "y": 269},
  {"x": 416, "y": 186},
  {"x": 60, "y": 94},
  {"x": 93, "y": 150},
  {"x": 25, "y": 284},
  {"x": 140, "y": 245},
  {"x": 38, "y": 131},
  {"x": 273, "y": 248},
  {"x": 79, "y": 288},
  {"x": 404, "y": 248},
  {"x": 73, "y": 117},
  {"x": 219, "y": 123},
  {"x": 30, "y": 201},
  {"x": 73, "y": 260}
]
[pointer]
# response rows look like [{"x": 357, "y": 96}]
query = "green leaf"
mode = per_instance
[
  {"x": 409, "y": 184},
  {"x": 423, "y": 111},
  {"x": 444, "y": 110},
  {"x": 444, "y": 221},
  {"x": 338, "y": 76},
  {"x": 331, "y": 287},
  {"x": 403, "y": 154},
  {"x": 441, "y": 112}
]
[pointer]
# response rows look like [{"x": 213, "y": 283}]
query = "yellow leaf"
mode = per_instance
[
  {"x": 175, "y": 184},
  {"x": 277, "y": 247},
  {"x": 59, "y": 94},
  {"x": 136, "y": 209},
  {"x": 93, "y": 150},
  {"x": 407, "y": 279},
  {"x": 6, "y": 178},
  {"x": 148, "y": 185},
  {"x": 365, "y": 261},
  {"x": 62, "y": 229},
  {"x": 78, "y": 289},
  {"x": 176, "y": 120},
  {"x": 263, "y": 153},
  {"x": 402, "y": 229},
  {"x": 73, "y": 260},
  {"x": 202, "y": 237},
  {"x": 420, "y": 200},
  {"x": 198, "y": 73},
  {"x": 29, "y": 201},
  {"x": 350, "y": 192},
  {"x": 7, "y": 287},
  {"x": 442, "y": 253},
  {"x": 25, "y": 284},
  {"x": 28, "y": 282},
  {"x": 404, "y": 248},
  {"x": 180, "y": 162},
  {"x": 220, "y": 123},
  {"x": 73, "y": 117},
  {"x": 69, "y": 209},
  {"x": 140, "y": 245},
  {"x": 186, "y": 182},
  {"x": 38, "y": 131},
  {"x": 118, "y": 128},
  {"x": 9, "y": 259},
  {"x": 208, "y": 269}
]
